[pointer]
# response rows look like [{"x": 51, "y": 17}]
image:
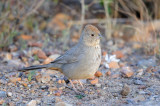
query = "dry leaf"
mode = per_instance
[
  {"x": 115, "y": 75},
  {"x": 104, "y": 53},
  {"x": 35, "y": 44},
  {"x": 91, "y": 78},
  {"x": 41, "y": 54},
  {"x": 108, "y": 73},
  {"x": 151, "y": 69},
  {"x": 25, "y": 37},
  {"x": 59, "y": 81},
  {"x": 94, "y": 81},
  {"x": 98, "y": 74},
  {"x": 47, "y": 60},
  {"x": 121, "y": 64},
  {"x": 39, "y": 77},
  {"x": 14, "y": 79},
  {"x": 118, "y": 54},
  {"x": 35, "y": 51},
  {"x": 74, "y": 81},
  {"x": 127, "y": 72},
  {"x": 113, "y": 64},
  {"x": 63, "y": 81},
  {"x": 8, "y": 56},
  {"x": 24, "y": 84},
  {"x": 58, "y": 93}
]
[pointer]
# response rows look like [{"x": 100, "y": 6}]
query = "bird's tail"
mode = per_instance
[{"x": 33, "y": 67}]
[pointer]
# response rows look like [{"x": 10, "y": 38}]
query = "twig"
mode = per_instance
[
  {"x": 91, "y": 21},
  {"x": 108, "y": 24},
  {"x": 82, "y": 15},
  {"x": 34, "y": 10},
  {"x": 70, "y": 9}
]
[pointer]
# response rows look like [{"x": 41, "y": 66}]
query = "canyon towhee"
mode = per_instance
[{"x": 81, "y": 61}]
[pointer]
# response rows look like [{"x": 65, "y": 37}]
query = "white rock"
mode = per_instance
[
  {"x": 139, "y": 98},
  {"x": 98, "y": 85},
  {"x": 54, "y": 56},
  {"x": 32, "y": 103},
  {"x": 62, "y": 104},
  {"x": 36, "y": 62},
  {"x": 140, "y": 72},
  {"x": 45, "y": 78},
  {"x": 9, "y": 93}
]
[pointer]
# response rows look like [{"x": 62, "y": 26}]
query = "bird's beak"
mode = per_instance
[{"x": 100, "y": 36}]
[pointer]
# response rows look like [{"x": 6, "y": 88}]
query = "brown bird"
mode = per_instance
[{"x": 81, "y": 61}]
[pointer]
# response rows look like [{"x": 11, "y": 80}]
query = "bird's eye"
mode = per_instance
[{"x": 92, "y": 34}]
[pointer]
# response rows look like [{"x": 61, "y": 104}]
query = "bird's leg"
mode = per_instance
[
  {"x": 77, "y": 92},
  {"x": 81, "y": 84},
  {"x": 73, "y": 85}
]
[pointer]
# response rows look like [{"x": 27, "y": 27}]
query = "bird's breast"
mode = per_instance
[
  {"x": 88, "y": 64},
  {"x": 93, "y": 54},
  {"x": 91, "y": 59}
]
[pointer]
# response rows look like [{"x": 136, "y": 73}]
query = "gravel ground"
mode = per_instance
[{"x": 47, "y": 87}]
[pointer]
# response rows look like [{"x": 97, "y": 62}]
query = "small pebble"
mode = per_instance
[
  {"x": 108, "y": 73},
  {"x": 32, "y": 103},
  {"x": 57, "y": 99},
  {"x": 141, "y": 92},
  {"x": 62, "y": 104},
  {"x": 139, "y": 98},
  {"x": 1, "y": 101},
  {"x": 44, "y": 87},
  {"x": 9, "y": 94},
  {"x": 3, "y": 94},
  {"x": 127, "y": 72},
  {"x": 147, "y": 62},
  {"x": 138, "y": 82},
  {"x": 11, "y": 104},
  {"x": 12, "y": 48},
  {"x": 95, "y": 81},
  {"x": 29, "y": 85},
  {"x": 98, "y": 85},
  {"x": 45, "y": 78},
  {"x": 130, "y": 101},
  {"x": 140, "y": 72},
  {"x": 98, "y": 74},
  {"x": 125, "y": 91},
  {"x": 14, "y": 79},
  {"x": 2, "y": 81}
]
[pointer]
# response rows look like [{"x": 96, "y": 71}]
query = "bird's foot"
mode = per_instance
[{"x": 81, "y": 85}]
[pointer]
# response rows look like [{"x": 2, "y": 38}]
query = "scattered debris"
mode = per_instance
[
  {"x": 127, "y": 72},
  {"x": 111, "y": 61},
  {"x": 98, "y": 74},
  {"x": 125, "y": 90},
  {"x": 94, "y": 81},
  {"x": 32, "y": 103}
]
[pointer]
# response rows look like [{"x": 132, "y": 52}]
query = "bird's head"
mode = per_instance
[{"x": 90, "y": 36}]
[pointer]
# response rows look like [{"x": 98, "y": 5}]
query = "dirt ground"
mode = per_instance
[
  {"x": 129, "y": 73},
  {"x": 47, "y": 87}
]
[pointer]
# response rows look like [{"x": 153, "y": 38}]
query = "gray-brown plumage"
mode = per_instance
[{"x": 82, "y": 60}]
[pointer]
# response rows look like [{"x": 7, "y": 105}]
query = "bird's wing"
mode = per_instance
[
  {"x": 70, "y": 56},
  {"x": 65, "y": 59}
]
